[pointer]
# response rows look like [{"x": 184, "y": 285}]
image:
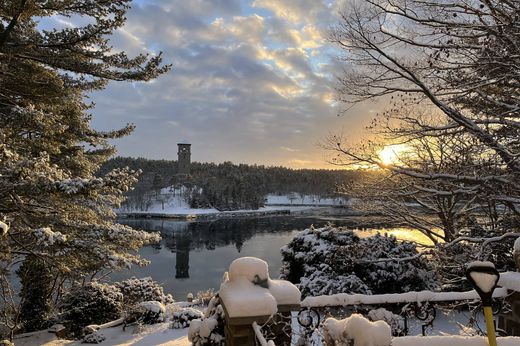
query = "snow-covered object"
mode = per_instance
[
  {"x": 182, "y": 318},
  {"x": 47, "y": 237},
  {"x": 153, "y": 306},
  {"x": 284, "y": 292},
  {"x": 151, "y": 312},
  {"x": 516, "y": 246},
  {"x": 208, "y": 331},
  {"x": 4, "y": 228},
  {"x": 331, "y": 260},
  {"x": 248, "y": 290},
  {"x": 242, "y": 298},
  {"x": 394, "y": 321},
  {"x": 343, "y": 299},
  {"x": 248, "y": 267},
  {"x": 357, "y": 329},
  {"x": 452, "y": 340},
  {"x": 510, "y": 280},
  {"x": 485, "y": 281},
  {"x": 94, "y": 338}
]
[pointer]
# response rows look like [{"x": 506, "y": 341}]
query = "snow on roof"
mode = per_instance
[
  {"x": 344, "y": 299},
  {"x": 248, "y": 290}
]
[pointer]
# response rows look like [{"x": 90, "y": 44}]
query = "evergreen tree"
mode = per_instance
[{"x": 53, "y": 206}]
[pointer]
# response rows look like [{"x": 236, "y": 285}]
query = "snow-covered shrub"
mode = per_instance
[
  {"x": 209, "y": 331},
  {"x": 203, "y": 297},
  {"x": 94, "y": 338},
  {"x": 332, "y": 260},
  {"x": 136, "y": 290},
  {"x": 95, "y": 303},
  {"x": 149, "y": 312},
  {"x": 357, "y": 331},
  {"x": 183, "y": 317},
  {"x": 325, "y": 281},
  {"x": 395, "y": 322}
]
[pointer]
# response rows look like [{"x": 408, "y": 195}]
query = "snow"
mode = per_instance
[
  {"x": 248, "y": 267},
  {"x": 153, "y": 306},
  {"x": 284, "y": 292},
  {"x": 485, "y": 281},
  {"x": 453, "y": 340},
  {"x": 510, "y": 280},
  {"x": 344, "y": 299},
  {"x": 297, "y": 199},
  {"x": 481, "y": 264},
  {"x": 516, "y": 246},
  {"x": 157, "y": 334},
  {"x": 243, "y": 298},
  {"x": 4, "y": 227},
  {"x": 358, "y": 329}
]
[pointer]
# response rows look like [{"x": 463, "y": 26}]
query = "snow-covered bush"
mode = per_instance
[
  {"x": 395, "y": 322},
  {"x": 94, "y": 338},
  {"x": 149, "y": 312},
  {"x": 182, "y": 318},
  {"x": 332, "y": 260},
  {"x": 136, "y": 290},
  {"x": 209, "y": 331},
  {"x": 95, "y": 303}
]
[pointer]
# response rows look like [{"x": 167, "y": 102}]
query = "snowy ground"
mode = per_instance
[
  {"x": 173, "y": 203},
  {"x": 157, "y": 334},
  {"x": 446, "y": 323}
]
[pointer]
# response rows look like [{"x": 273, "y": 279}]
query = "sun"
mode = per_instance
[{"x": 390, "y": 154}]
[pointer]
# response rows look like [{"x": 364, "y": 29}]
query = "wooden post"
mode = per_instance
[{"x": 239, "y": 330}]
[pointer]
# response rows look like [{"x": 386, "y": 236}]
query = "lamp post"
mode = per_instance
[{"x": 484, "y": 278}]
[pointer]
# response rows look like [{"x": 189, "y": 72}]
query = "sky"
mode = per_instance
[{"x": 252, "y": 81}]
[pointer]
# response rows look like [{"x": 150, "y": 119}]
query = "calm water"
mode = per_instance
[{"x": 193, "y": 256}]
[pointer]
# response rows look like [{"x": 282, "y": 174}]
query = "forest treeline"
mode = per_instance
[{"x": 228, "y": 186}]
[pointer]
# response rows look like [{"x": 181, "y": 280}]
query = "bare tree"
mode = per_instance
[{"x": 450, "y": 73}]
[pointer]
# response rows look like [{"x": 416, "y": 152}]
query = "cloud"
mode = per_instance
[{"x": 246, "y": 85}]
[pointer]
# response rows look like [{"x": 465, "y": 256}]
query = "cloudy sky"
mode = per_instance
[{"x": 251, "y": 82}]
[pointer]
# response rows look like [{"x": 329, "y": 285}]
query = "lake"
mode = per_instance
[{"x": 193, "y": 255}]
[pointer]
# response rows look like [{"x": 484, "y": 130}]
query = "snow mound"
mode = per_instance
[
  {"x": 248, "y": 290},
  {"x": 358, "y": 330},
  {"x": 248, "y": 267}
]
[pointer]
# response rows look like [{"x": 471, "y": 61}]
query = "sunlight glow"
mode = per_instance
[{"x": 390, "y": 154}]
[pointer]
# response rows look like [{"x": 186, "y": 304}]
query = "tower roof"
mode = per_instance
[{"x": 183, "y": 143}]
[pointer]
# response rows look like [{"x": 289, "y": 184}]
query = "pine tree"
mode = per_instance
[{"x": 57, "y": 210}]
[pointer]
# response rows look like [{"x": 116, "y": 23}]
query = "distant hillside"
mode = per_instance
[{"x": 228, "y": 186}]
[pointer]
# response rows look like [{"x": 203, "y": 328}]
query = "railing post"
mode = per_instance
[{"x": 510, "y": 322}]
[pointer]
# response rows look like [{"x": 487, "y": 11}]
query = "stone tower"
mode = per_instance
[{"x": 184, "y": 158}]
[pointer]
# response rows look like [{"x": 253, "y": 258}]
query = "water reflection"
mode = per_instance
[{"x": 193, "y": 255}]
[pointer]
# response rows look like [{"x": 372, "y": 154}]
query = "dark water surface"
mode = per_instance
[{"x": 193, "y": 255}]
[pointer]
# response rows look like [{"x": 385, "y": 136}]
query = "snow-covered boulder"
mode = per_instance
[
  {"x": 248, "y": 290},
  {"x": 358, "y": 330}
]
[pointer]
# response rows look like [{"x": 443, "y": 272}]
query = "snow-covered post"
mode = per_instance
[
  {"x": 516, "y": 253},
  {"x": 484, "y": 278},
  {"x": 248, "y": 295}
]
